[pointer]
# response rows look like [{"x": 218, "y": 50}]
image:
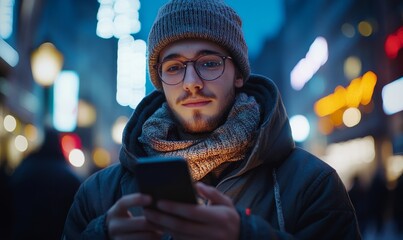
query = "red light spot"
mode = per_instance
[
  {"x": 394, "y": 43},
  {"x": 70, "y": 142}
]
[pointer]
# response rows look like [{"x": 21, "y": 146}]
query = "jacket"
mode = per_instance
[{"x": 280, "y": 191}]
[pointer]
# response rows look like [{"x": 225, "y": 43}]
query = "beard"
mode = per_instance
[{"x": 199, "y": 123}]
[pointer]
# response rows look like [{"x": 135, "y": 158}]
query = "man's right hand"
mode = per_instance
[{"x": 122, "y": 225}]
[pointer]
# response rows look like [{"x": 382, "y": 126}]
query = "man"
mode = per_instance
[{"x": 232, "y": 129}]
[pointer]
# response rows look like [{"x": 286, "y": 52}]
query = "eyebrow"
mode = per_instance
[{"x": 201, "y": 52}]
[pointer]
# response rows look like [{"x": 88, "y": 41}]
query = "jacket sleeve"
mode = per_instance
[
  {"x": 324, "y": 212},
  {"x": 86, "y": 218},
  {"x": 255, "y": 227},
  {"x": 79, "y": 224}
]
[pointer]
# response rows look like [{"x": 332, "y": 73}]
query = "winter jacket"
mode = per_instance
[{"x": 280, "y": 191}]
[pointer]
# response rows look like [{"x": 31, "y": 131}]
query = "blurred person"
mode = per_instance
[
  {"x": 5, "y": 201},
  {"x": 359, "y": 197},
  {"x": 378, "y": 198},
  {"x": 43, "y": 188},
  {"x": 233, "y": 131},
  {"x": 398, "y": 205}
]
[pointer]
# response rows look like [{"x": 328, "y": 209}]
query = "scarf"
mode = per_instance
[{"x": 227, "y": 143}]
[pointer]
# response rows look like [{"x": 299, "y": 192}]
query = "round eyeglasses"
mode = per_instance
[{"x": 208, "y": 67}]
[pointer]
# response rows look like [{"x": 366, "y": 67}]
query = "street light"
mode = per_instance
[{"x": 46, "y": 64}]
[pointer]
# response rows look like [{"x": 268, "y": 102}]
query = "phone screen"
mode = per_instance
[{"x": 165, "y": 178}]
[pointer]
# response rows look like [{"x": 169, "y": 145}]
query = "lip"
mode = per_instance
[{"x": 198, "y": 102}]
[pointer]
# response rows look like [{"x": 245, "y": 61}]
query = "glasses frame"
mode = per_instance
[{"x": 158, "y": 66}]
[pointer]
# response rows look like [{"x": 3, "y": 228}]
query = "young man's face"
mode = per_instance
[{"x": 200, "y": 106}]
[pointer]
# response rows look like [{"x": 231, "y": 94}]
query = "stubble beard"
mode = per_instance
[
  {"x": 198, "y": 124},
  {"x": 204, "y": 124}
]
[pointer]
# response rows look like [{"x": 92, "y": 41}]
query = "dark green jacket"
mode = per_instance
[{"x": 289, "y": 193}]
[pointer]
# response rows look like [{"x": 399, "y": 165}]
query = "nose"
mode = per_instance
[{"x": 191, "y": 81}]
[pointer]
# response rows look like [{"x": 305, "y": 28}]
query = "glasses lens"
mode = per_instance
[
  {"x": 171, "y": 71},
  {"x": 210, "y": 67}
]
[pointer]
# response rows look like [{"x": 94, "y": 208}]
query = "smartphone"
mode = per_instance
[{"x": 165, "y": 178}]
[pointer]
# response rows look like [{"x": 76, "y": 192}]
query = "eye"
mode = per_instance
[
  {"x": 210, "y": 62},
  {"x": 172, "y": 67}
]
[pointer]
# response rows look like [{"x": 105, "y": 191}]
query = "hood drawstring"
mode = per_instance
[{"x": 279, "y": 209}]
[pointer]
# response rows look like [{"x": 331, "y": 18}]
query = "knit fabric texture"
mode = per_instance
[
  {"x": 211, "y": 20},
  {"x": 227, "y": 143}
]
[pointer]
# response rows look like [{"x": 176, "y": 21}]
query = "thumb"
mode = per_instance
[{"x": 214, "y": 196}]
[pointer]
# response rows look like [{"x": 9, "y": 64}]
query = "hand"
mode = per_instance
[
  {"x": 122, "y": 225},
  {"x": 218, "y": 220}
]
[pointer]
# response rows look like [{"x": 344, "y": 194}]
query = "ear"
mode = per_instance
[{"x": 238, "y": 80}]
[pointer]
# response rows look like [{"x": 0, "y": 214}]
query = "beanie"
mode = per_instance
[{"x": 211, "y": 20}]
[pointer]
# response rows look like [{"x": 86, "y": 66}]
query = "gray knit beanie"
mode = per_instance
[{"x": 211, "y": 20}]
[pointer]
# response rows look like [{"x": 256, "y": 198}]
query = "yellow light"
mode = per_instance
[
  {"x": 352, "y": 67},
  {"x": 46, "y": 63},
  {"x": 354, "y": 93},
  {"x": 365, "y": 28},
  {"x": 331, "y": 103},
  {"x": 337, "y": 118},
  {"x": 101, "y": 157},
  {"x": 86, "y": 115},
  {"x": 325, "y": 126},
  {"x": 358, "y": 92},
  {"x": 31, "y": 132},
  {"x": 368, "y": 84}
]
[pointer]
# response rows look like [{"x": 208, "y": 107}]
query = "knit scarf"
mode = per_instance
[{"x": 227, "y": 143}]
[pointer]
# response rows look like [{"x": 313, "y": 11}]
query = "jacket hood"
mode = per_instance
[{"x": 273, "y": 141}]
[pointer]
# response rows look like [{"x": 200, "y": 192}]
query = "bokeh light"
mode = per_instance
[
  {"x": 21, "y": 143},
  {"x": 101, "y": 157},
  {"x": 300, "y": 127},
  {"x": 365, "y": 28},
  {"x": 10, "y": 123},
  {"x": 77, "y": 158},
  {"x": 348, "y": 30},
  {"x": 352, "y": 67},
  {"x": 117, "y": 129},
  {"x": 351, "y": 117}
]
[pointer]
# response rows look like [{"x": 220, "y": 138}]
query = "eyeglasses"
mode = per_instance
[{"x": 208, "y": 67}]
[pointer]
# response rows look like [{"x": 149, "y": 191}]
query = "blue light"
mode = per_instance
[{"x": 65, "y": 107}]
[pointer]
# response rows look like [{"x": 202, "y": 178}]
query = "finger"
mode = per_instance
[
  {"x": 213, "y": 195},
  {"x": 215, "y": 223},
  {"x": 182, "y": 210},
  {"x": 172, "y": 224},
  {"x": 120, "y": 208},
  {"x": 129, "y": 225},
  {"x": 139, "y": 235}
]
